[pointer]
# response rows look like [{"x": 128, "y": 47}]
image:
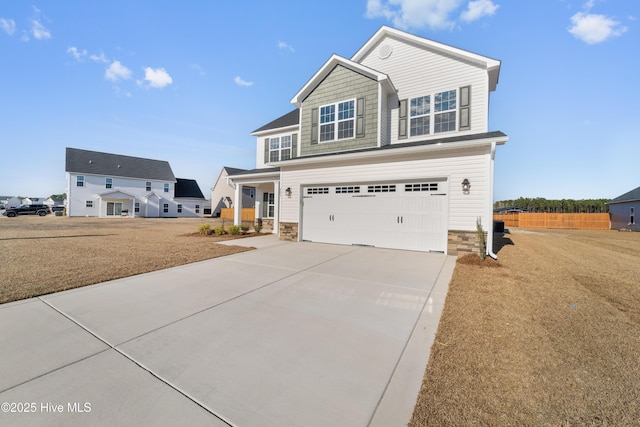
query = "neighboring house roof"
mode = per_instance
[
  {"x": 328, "y": 67},
  {"x": 631, "y": 196},
  {"x": 187, "y": 188},
  {"x": 256, "y": 171},
  {"x": 491, "y": 65},
  {"x": 292, "y": 118},
  {"x": 97, "y": 163},
  {"x": 233, "y": 171}
]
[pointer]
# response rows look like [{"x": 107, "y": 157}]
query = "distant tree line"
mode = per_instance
[{"x": 540, "y": 204}]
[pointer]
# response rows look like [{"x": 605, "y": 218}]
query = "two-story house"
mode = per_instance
[
  {"x": 390, "y": 148},
  {"x": 113, "y": 185}
]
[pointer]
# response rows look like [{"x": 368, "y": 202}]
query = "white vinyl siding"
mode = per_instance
[
  {"x": 454, "y": 166},
  {"x": 444, "y": 73}
]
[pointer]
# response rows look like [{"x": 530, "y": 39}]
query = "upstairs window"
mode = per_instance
[
  {"x": 148, "y": 186},
  {"x": 79, "y": 181},
  {"x": 433, "y": 113},
  {"x": 337, "y": 121},
  {"x": 166, "y": 187},
  {"x": 108, "y": 183},
  {"x": 280, "y": 148},
  {"x": 445, "y": 111}
]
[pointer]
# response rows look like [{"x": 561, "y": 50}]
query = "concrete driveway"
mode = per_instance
[{"x": 291, "y": 334}]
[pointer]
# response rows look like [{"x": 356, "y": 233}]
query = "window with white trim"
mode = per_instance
[
  {"x": 632, "y": 216},
  {"x": 197, "y": 208},
  {"x": 280, "y": 148},
  {"x": 337, "y": 121},
  {"x": 425, "y": 120},
  {"x": 423, "y": 186},
  {"x": 165, "y": 208},
  {"x": 136, "y": 207},
  {"x": 179, "y": 208},
  {"x": 347, "y": 190},
  {"x": 383, "y": 188},
  {"x": 268, "y": 205},
  {"x": 166, "y": 187},
  {"x": 108, "y": 183},
  {"x": 318, "y": 190},
  {"x": 80, "y": 181},
  {"x": 89, "y": 204},
  {"x": 148, "y": 186}
]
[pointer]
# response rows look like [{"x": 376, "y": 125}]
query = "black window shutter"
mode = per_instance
[
  {"x": 402, "y": 119},
  {"x": 465, "y": 108},
  {"x": 294, "y": 145},
  {"x": 360, "y": 118},
  {"x": 266, "y": 150},
  {"x": 314, "y": 126}
]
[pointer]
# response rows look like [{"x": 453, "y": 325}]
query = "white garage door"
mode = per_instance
[{"x": 404, "y": 215}]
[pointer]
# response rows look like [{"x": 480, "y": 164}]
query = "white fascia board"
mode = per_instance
[
  {"x": 254, "y": 178},
  {"x": 393, "y": 152},
  {"x": 328, "y": 67},
  {"x": 291, "y": 128}
]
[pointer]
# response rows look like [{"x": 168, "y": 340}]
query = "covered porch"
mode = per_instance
[
  {"x": 116, "y": 204},
  {"x": 266, "y": 183}
]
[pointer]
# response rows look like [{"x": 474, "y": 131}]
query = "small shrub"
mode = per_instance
[
  {"x": 481, "y": 240},
  {"x": 219, "y": 230},
  {"x": 204, "y": 229},
  {"x": 244, "y": 228},
  {"x": 234, "y": 229},
  {"x": 257, "y": 227}
]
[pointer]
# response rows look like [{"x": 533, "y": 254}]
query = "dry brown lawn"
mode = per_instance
[
  {"x": 50, "y": 254},
  {"x": 550, "y": 338}
]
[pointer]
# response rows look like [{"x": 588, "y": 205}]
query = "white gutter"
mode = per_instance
[{"x": 490, "y": 203}]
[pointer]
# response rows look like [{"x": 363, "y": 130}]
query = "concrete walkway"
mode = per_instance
[{"x": 291, "y": 334}]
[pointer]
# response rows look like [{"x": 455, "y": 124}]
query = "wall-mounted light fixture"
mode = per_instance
[
  {"x": 466, "y": 186},
  {"x": 288, "y": 191}
]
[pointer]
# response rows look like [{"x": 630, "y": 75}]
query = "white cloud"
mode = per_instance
[
  {"x": 435, "y": 14},
  {"x": 238, "y": 80},
  {"x": 594, "y": 28},
  {"x": 285, "y": 46},
  {"x": 77, "y": 54},
  {"x": 116, "y": 71},
  {"x": 157, "y": 78},
  {"x": 8, "y": 25},
  {"x": 99, "y": 58},
  {"x": 478, "y": 9},
  {"x": 39, "y": 31}
]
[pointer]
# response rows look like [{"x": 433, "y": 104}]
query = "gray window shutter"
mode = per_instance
[
  {"x": 266, "y": 150},
  {"x": 314, "y": 126},
  {"x": 465, "y": 108},
  {"x": 360, "y": 118},
  {"x": 294, "y": 145},
  {"x": 402, "y": 122}
]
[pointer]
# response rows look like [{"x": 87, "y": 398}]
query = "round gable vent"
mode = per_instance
[{"x": 385, "y": 51}]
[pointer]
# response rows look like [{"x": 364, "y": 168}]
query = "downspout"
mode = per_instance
[{"x": 490, "y": 203}]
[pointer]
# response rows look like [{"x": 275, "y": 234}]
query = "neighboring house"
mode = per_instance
[
  {"x": 623, "y": 210},
  {"x": 113, "y": 185},
  {"x": 390, "y": 148},
  {"x": 33, "y": 201},
  {"x": 223, "y": 195},
  {"x": 54, "y": 202},
  {"x": 10, "y": 201}
]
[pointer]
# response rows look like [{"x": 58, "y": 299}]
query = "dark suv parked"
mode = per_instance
[{"x": 41, "y": 210}]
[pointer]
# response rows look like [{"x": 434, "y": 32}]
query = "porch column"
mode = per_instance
[
  {"x": 237, "y": 208},
  {"x": 276, "y": 207}
]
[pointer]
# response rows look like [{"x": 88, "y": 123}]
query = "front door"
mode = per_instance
[{"x": 114, "y": 208}]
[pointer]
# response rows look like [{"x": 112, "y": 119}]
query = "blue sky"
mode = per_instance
[{"x": 188, "y": 82}]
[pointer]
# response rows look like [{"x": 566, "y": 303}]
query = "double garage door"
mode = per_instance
[{"x": 403, "y": 215}]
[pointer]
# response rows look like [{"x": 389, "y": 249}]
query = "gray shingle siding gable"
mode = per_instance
[
  {"x": 340, "y": 85},
  {"x": 115, "y": 165}
]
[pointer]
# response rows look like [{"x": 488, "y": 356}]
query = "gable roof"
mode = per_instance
[
  {"x": 292, "y": 118},
  {"x": 187, "y": 188},
  {"x": 491, "y": 65},
  {"x": 630, "y": 196},
  {"x": 328, "y": 67},
  {"x": 97, "y": 163}
]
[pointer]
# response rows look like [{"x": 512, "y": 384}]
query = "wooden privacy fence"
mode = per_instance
[
  {"x": 585, "y": 221},
  {"x": 248, "y": 214}
]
